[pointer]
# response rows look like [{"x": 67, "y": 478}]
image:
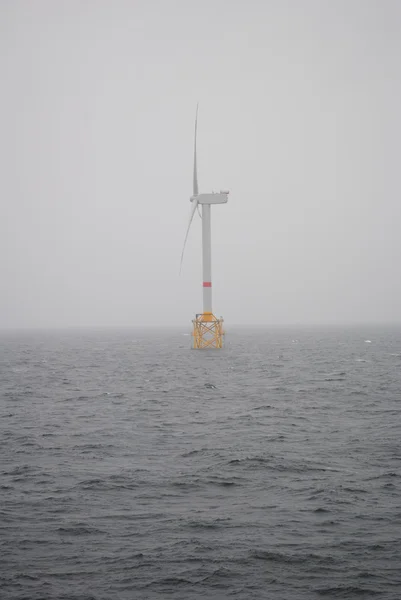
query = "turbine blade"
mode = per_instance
[
  {"x": 194, "y": 205},
  {"x": 195, "y": 182}
]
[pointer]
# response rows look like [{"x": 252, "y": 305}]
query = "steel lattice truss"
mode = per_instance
[{"x": 207, "y": 331}]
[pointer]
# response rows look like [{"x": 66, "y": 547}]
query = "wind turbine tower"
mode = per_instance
[{"x": 207, "y": 329}]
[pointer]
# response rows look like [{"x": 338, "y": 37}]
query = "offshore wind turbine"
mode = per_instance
[{"x": 207, "y": 329}]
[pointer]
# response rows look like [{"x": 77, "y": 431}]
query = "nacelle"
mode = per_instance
[{"x": 220, "y": 198}]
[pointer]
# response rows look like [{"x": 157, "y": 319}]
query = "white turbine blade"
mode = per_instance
[
  {"x": 195, "y": 182},
  {"x": 194, "y": 205}
]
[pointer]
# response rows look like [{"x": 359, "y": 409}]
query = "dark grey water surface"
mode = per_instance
[{"x": 133, "y": 467}]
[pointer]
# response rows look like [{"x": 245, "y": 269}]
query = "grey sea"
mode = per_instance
[{"x": 134, "y": 467}]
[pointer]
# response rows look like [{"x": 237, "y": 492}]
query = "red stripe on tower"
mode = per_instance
[{"x": 207, "y": 284}]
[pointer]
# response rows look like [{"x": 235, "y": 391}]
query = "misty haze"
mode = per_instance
[
  {"x": 299, "y": 118},
  {"x": 134, "y": 462}
]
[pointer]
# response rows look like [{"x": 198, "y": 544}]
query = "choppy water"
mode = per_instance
[{"x": 132, "y": 467}]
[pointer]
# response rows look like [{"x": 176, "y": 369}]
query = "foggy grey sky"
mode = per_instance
[{"x": 299, "y": 117}]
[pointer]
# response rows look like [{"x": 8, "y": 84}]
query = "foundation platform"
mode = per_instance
[{"x": 207, "y": 331}]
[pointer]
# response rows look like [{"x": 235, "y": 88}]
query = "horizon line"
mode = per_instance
[{"x": 187, "y": 325}]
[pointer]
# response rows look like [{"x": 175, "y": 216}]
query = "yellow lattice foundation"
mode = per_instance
[{"x": 208, "y": 331}]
